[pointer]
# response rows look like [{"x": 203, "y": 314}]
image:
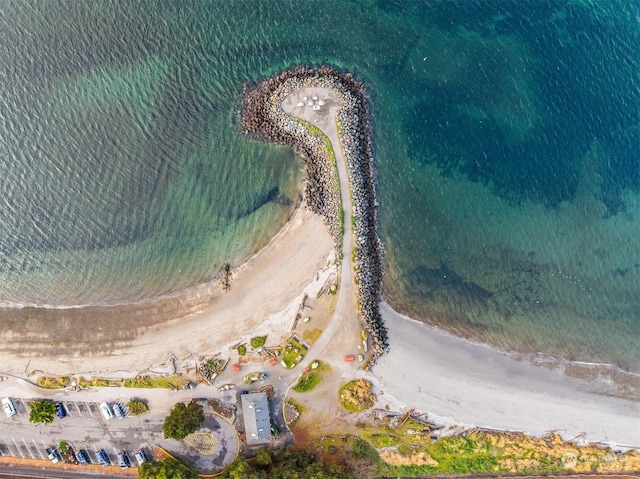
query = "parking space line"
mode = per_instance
[
  {"x": 37, "y": 449},
  {"x": 88, "y": 406},
  {"x": 4, "y": 440},
  {"x": 75, "y": 405},
  {"x": 27, "y": 446},
  {"x": 16, "y": 444}
]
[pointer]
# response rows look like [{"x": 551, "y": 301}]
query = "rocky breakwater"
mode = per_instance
[{"x": 262, "y": 117}]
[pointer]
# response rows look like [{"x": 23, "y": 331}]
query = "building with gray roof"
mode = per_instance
[{"x": 257, "y": 422}]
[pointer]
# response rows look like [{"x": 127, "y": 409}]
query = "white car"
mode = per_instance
[
  {"x": 9, "y": 407},
  {"x": 106, "y": 411}
]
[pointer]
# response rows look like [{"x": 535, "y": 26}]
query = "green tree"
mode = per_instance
[
  {"x": 183, "y": 420},
  {"x": 42, "y": 411},
  {"x": 240, "y": 469},
  {"x": 264, "y": 458},
  {"x": 63, "y": 446},
  {"x": 167, "y": 469}
]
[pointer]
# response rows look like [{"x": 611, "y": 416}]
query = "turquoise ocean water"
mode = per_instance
[{"x": 507, "y": 139}]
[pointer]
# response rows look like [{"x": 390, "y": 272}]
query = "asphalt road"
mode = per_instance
[{"x": 22, "y": 472}]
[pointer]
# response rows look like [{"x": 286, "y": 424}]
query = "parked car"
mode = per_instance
[
  {"x": 141, "y": 457},
  {"x": 123, "y": 460},
  {"x": 83, "y": 457},
  {"x": 103, "y": 457},
  {"x": 9, "y": 407},
  {"x": 118, "y": 411},
  {"x": 106, "y": 411},
  {"x": 60, "y": 410},
  {"x": 54, "y": 454}
]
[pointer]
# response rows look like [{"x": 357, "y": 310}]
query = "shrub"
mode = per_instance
[
  {"x": 361, "y": 449},
  {"x": 307, "y": 382},
  {"x": 54, "y": 382},
  {"x": 242, "y": 350},
  {"x": 356, "y": 396},
  {"x": 258, "y": 341},
  {"x": 137, "y": 407}
]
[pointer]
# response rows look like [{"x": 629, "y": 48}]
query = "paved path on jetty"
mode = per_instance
[{"x": 324, "y": 118}]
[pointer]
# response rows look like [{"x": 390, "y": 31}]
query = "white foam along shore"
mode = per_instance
[{"x": 460, "y": 382}]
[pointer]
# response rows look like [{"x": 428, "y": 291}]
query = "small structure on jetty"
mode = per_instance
[{"x": 262, "y": 117}]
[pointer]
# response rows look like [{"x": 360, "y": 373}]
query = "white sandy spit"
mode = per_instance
[{"x": 464, "y": 383}]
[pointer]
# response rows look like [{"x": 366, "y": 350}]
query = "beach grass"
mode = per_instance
[
  {"x": 258, "y": 341},
  {"x": 137, "y": 407},
  {"x": 311, "y": 379},
  {"x": 356, "y": 396},
  {"x": 293, "y": 353},
  {"x": 98, "y": 382},
  {"x": 53, "y": 382},
  {"x": 311, "y": 335},
  {"x": 174, "y": 381}
]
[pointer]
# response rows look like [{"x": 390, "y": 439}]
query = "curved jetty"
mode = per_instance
[{"x": 262, "y": 117}]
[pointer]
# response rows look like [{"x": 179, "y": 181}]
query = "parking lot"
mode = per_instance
[{"x": 84, "y": 428}]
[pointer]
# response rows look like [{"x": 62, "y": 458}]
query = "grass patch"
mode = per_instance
[
  {"x": 170, "y": 382},
  {"x": 309, "y": 381},
  {"x": 384, "y": 440},
  {"x": 311, "y": 335},
  {"x": 293, "y": 353},
  {"x": 98, "y": 382},
  {"x": 137, "y": 407},
  {"x": 258, "y": 341},
  {"x": 242, "y": 350},
  {"x": 356, "y": 396},
  {"x": 53, "y": 382}
]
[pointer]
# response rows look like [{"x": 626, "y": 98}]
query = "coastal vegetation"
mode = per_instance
[
  {"x": 137, "y": 407},
  {"x": 174, "y": 381},
  {"x": 311, "y": 378},
  {"x": 311, "y": 335},
  {"x": 98, "y": 382},
  {"x": 356, "y": 396},
  {"x": 208, "y": 369},
  {"x": 42, "y": 411},
  {"x": 293, "y": 353},
  {"x": 258, "y": 341},
  {"x": 183, "y": 420},
  {"x": 286, "y": 464},
  {"x": 168, "y": 468},
  {"x": 407, "y": 452},
  {"x": 53, "y": 382}
]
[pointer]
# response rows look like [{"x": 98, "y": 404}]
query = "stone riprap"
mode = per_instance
[{"x": 262, "y": 117}]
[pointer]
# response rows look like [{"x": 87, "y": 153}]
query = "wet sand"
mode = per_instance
[{"x": 137, "y": 336}]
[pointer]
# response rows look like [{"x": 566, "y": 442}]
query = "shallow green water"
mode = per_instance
[{"x": 506, "y": 133}]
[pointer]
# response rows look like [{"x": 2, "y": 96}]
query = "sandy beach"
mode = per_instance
[
  {"x": 138, "y": 337},
  {"x": 459, "y": 382}
]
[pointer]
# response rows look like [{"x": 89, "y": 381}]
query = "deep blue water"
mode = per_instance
[{"x": 507, "y": 138}]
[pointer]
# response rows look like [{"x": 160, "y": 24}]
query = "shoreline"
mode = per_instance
[
  {"x": 538, "y": 359},
  {"x": 460, "y": 382}
]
